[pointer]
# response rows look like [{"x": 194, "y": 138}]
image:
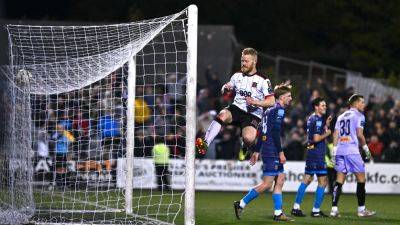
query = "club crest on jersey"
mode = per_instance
[
  {"x": 319, "y": 123},
  {"x": 254, "y": 84},
  {"x": 281, "y": 112},
  {"x": 264, "y": 138}
]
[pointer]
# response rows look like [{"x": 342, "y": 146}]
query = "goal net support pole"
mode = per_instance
[
  {"x": 191, "y": 115},
  {"x": 130, "y": 133}
]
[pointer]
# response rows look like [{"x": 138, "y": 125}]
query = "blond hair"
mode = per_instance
[{"x": 250, "y": 51}]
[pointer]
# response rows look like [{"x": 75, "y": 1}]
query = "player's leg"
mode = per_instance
[
  {"x": 249, "y": 124},
  {"x": 166, "y": 178},
  {"x": 296, "y": 210},
  {"x": 252, "y": 194},
  {"x": 224, "y": 117},
  {"x": 358, "y": 168},
  {"x": 269, "y": 173},
  {"x": 277, "y": 198},
  {"x": 337, "y": 191},
  {"x": 319, "y": 195},
  {"x": 249, "y": 134},
  {"x": 159, "y": 172}
]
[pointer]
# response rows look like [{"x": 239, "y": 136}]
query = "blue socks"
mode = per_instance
[
  {"x": 319, "y": 197},
  {"x": 250, "y": 196},
  {"x": 300, "y": 193},
  {"x": 277, "y": 198}
]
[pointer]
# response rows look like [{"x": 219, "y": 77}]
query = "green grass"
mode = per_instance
[{"x": 215, "y": 208}]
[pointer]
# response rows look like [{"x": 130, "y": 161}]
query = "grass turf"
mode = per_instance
[{"x": 216, "y": 208}]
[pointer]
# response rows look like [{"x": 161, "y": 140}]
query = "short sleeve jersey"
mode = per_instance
[
  {"x": 255, "y": 86},
  {"x": 315, "y": 150},
  {"x": 269, "y": 133},
  {"x": 347, "y": 124}
]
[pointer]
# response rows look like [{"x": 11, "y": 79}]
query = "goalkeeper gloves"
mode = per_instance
[{"x": 367, "y": 152}]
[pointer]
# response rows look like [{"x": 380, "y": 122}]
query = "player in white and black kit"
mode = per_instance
[{"x": 253, "y": 92}]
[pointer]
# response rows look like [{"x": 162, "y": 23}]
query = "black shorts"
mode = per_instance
[{"x": 242, "y": 118}]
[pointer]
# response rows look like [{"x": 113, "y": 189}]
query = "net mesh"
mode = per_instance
[{"x": 63, "y": 131}]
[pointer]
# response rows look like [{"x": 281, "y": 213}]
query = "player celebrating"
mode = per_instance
[
  {"x": 317, "y": 131},
  {"x": 347, "y": 136},
  {"x": 272, "y": 155},
  {"x": 253, "y": 93}
]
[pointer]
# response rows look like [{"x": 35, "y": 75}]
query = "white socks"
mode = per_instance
[
  {"x": 242, "y": 204},
  {"x": 277, "y": 212},
  {"x": 361, "y": 208},
  {"x": 296, "y": 206},
  {"x": 212, "y": 131}
]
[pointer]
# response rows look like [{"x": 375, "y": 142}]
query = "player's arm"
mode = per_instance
[
  {"x": 320, "y": 137},
  {"x": 269, "y": 99},
  {"x": 361, "y": 137},
  {"x": 335, "y": 141},
  {"x": 266, "y": 103},
  {"x": 229, "y": 85},
  {"x": 335, "y": 137}
]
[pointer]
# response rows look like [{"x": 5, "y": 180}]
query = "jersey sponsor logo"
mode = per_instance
[
  {"x": 345, "y": 139},
  {"x": 245, "y": 93}
]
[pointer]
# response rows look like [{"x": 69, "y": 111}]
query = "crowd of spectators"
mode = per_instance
[
  {"x": 88, "y": 125},
  {"x": 77, "y": 125},
  {"x": 381, "y": 130}
]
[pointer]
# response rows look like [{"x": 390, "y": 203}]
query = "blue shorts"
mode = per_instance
[
  {"x": 272, "y": 167},
  {"x": 317, "y": 168}
]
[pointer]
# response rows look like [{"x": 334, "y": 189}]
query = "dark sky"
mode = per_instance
[{"x": 358, "y": 35}]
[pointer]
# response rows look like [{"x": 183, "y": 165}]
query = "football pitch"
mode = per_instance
[{"x": 217, "y": 207}]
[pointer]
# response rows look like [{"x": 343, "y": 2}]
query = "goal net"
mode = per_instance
[{"x": 95, "y": 121}]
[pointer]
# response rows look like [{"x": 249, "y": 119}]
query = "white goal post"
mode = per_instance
[{"x": 82, "y": 105}]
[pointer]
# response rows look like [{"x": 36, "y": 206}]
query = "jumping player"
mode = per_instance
[{"x": 253, "y": 92}]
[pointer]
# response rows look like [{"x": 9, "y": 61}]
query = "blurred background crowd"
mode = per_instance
[{"x": 382, "y": 120}]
